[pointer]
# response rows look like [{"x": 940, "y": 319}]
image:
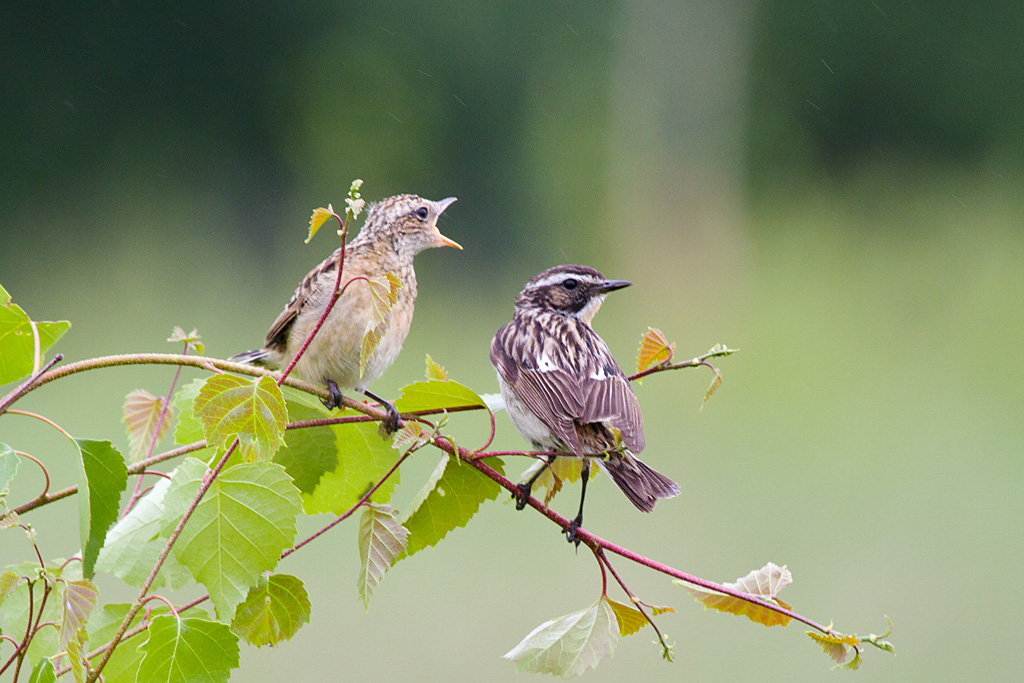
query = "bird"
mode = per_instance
[
  {"x": 563, "y": 390},
  {"x": 396, "y": 230}
]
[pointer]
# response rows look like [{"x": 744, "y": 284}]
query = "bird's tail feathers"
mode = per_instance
[
  {"x": 641, "y": 484},
  {"x": 254, "y": 357}
]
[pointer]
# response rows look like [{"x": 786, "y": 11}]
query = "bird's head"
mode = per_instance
[
  {"x": 571, "y": 290},
  {"x": 408, "y": 222}
]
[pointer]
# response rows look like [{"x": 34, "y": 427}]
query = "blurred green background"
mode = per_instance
[{"x": 835, "y": 188}]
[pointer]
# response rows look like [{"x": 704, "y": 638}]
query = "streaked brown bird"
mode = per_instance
[
  {"x": 396, "y": 230},
  {"x": 563, "y": 389}
]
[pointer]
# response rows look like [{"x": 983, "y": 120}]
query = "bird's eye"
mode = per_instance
[
  {"x": 570, "y": 283},
  {"x": 422, "y": 213}
]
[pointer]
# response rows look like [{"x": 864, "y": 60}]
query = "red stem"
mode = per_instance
[{"x": 327, "y": 308}]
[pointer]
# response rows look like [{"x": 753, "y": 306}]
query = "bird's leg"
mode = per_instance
[
  {"x": 570, "y": 533},
  {"x": 524, "y": 489},
  {"x": 391, "y": 422},
  {"x": 335, "y": 399}
]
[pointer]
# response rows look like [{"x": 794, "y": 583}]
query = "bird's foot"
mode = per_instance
[
  {"x": 391, "y": 423},
  {"x": 570, "y": 533},
  {"x": 335, "y": 395},
  {"x": 523, "y": 497}
]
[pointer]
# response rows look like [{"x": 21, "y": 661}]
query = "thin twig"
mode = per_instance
[{"x": 23, "y": 388}]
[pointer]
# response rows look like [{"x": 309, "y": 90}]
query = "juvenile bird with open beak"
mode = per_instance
[{"x": 396, "y": 230}]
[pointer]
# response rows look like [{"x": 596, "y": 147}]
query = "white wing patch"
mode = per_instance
[
  {"x": 544, "y": 364},
  {"x": 599, "y": 374}
]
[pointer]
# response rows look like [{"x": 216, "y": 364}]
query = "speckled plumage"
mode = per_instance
[
  {"x": 563, "y": 389},
  {"x": 396, "y": 230}
]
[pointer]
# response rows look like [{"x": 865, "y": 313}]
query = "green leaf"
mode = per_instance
[
  {"x": 8, "y": 467},
  {"x": 43, "y": 673},
  {"x": 188, "y": 649},
  {"x": 142, "y": 411},
  {"x": 17, "y": 341},
  {"x": 102, "y": 479},
  {"x": 449, "y": 499},
  {"x": 123, "y": 666},
  {"x": 567, "y": 646},
  {"x": 79, "y": 600},
  {"x": 134, "y": 543},
  {"x": 253, "y": 411},
  {"x": 363, "y": 460},
  {"x": 14, "y": 613},
  {"x": 237, "y": 531},
  {"x": 383, "y": 295},
  {"x": 381, "y": 540},
  {"x": 309, "y": 452},
  {"x": 764, "y": 583},
  {"x": 630, "y": 619},
  {"x": 273, "y": 612},
  {"x": 189, "y": 429},
  {"x": 436, "y": 395}
]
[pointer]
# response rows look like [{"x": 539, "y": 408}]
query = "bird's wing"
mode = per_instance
[
  {"x": 277, "y": 337},
  {"x": 563, "y": 391}
]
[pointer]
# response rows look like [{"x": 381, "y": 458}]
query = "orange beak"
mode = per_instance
[{"x": 442, "y": 240}]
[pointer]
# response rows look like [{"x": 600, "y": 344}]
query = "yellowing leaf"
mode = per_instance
[
  {"x": 551, "y": 477},
  {"x": 834, "y": 644},
  {"x": 654, "y": 348},
  {"x": 75, "y": 651},
  {"x": 381, "y": 540},
  {"x": 764, "y": 583},
  {"x": 715, "y": 383},
  {"x": 8, "y": 582},
  {"x": 251, "y": 410},
  {"x": 383, "y": 295},
  {"x": 567, "y": 646},
  {"x": 410, "y": 437},
  {"x": 142, "y": 412},
  {"x": 435, "y": 371},
  {"x": 630, "y": 619},
  {"x": 317, "y": 220}
]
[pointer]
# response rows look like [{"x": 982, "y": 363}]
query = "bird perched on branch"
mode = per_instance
[
  {"x": 563, "y": 389},
  {"x": 396, "y": 230}
]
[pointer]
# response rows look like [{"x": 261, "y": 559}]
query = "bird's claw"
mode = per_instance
[
  {"x": 523, "y": 497},
  {"x": 570, "y": 533},
  {"x": 392, "y": 421},
  {"x": 335, "y": 399}
]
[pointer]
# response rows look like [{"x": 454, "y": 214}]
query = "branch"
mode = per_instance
[
  {"x": 718, "y": 351},
  {"x": 596, "y": 543}
]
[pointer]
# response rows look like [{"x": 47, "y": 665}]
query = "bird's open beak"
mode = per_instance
[
  {"x": 442, "y": 240},
  {"x": 609, "y": 286}
]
